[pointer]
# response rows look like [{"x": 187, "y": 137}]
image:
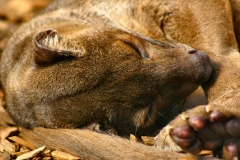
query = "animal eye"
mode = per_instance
[{"x": 137, "y": 48}]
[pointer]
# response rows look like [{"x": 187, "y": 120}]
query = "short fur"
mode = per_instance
[{"x": 122, "y": 64}]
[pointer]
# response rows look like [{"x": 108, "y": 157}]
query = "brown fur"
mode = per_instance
[
  {"x": 236, "y": 18},
  {"x": 118, "y": 63}
]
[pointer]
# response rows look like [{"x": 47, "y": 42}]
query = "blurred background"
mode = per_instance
[{"x": 15, "y": 12}]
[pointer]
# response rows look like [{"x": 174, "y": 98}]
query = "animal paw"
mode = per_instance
[
  {"x": 164, "y": 141},
  {"x": 210, "y": 127}
]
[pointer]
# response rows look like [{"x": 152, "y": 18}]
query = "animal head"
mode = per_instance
[{"x": 72, "y": 76}]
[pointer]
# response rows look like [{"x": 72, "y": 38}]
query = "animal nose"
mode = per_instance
[{"x": 192, "y": 51}]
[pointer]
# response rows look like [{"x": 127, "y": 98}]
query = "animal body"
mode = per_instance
[{"x": 131, "y": 67}]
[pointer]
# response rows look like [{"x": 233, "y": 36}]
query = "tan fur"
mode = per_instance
[
  {"x": 123, "y": 64},
  {"x": 97, "y": 146}
]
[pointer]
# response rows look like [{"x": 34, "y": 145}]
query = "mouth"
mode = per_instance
[{"x": 204, "y": 65}]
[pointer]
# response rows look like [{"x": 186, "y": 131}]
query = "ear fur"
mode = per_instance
[{"x": 47, "y": 44}]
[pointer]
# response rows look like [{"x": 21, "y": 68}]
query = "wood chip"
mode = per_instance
[
  {"x": 23, "y": 148},
  {"x": 22, "y": 142},
  {"x": 4, "y": 133},
  {"x": 46, "y": 152},
  {"x": 5, "y": 145},
  {"x": 47, "y": 158},
  {"x": 149, "y": 141},
  {"x": 5, "y": 156},
  {"x": 133, "y": 138},
  {"x": 57, "y": 155},
  {"x": 205, "y": 153},
  {"x": 19, "y": 153},
  {"x": 5, "y": 119},
  {"x": 31, "y": 154}
]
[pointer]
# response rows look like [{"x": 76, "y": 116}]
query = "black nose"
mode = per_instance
[{"x": 192, "y": 51}]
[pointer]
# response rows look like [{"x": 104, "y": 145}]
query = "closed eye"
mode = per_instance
[{"x": 136, "y": 48}]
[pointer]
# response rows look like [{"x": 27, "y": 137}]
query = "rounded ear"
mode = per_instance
[{"x": 46, "y": 47}]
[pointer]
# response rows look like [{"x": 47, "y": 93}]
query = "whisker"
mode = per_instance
[
  {"x": 127, "y": 131},
  {"x": 160, "y": 114},
  {"x": 172, "y": 106},
  {"x": 150, "y": 118},
  {"x": 182, "y": 104},
  {"x": 136, "y": 131}
]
